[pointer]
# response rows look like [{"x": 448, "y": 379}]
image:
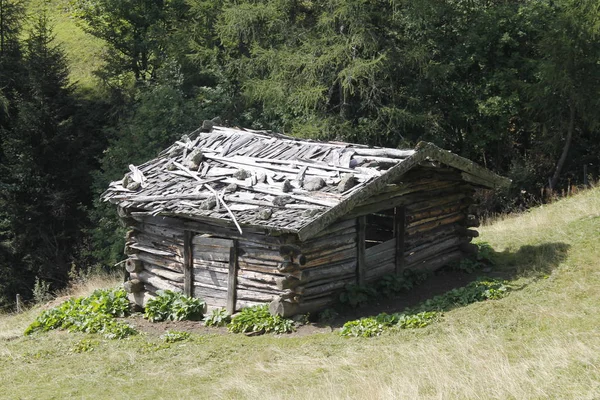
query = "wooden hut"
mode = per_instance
[{"x": 242, "y": 217}]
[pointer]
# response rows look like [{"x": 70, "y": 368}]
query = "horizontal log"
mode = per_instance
[
  {"x": 164, "y": 273},
  {"x": 212, "y": 242},
  {"x": 435, "y": 212},
  {"x": 214, "y": 302},
  {"x": 432, "y": 250},
  {"x": 161, "y": 261},
  {"x": 326, "y": 252},
  {"x": 329, "y": 288},
  {"x": 438, "y": 202},
  {"x": 339, "y": 256},
  {"x": 289, "y": 282},
  {"x": 328, "y": 270},
  {"x": 253, "y": 295},
  {"x": 158, "y": 282},
  {"x": 434, "y": 224},
  {"x": 433, "y": 235},
  {"x": 160, "y": 231},
  {"x": 287, "y": 309},
  {"x": 436, "y": 262}
]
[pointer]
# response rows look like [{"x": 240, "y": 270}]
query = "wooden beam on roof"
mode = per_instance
[{"x": 424, "y": 151}]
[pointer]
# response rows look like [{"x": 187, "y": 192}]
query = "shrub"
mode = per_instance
[
  {"x": 218, "y": 317},
  {"x": 93, "y": 314},
  {"x": 257, "y": 319},
  {"x": 171, "y": 306},
  {"x": 374, "y": 326}
]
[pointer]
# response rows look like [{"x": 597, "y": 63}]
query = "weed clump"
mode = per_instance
[
  {"x": 258, "y": 320},
  {"x": 93, "y": 314},
  {"x": 171, "y": 306}
]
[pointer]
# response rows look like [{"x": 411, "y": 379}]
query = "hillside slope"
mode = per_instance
[
  {"x": 542, "y": 341},
  {"x": 83, "y": 50}
]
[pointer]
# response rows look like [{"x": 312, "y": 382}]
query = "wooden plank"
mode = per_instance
[
  {"x": 399, "y": 227},
  {"x": 232, "y": 279},
  {"x": 208, "y": 241},
  {"x": 188, "y": 264},
  {"x": 211, "y": 277},
  {"x": 361, "y": 264},
  {"x": 210, "y": 256}
]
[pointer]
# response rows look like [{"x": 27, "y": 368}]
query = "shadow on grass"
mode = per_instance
[{"x": 532, "y": 262}]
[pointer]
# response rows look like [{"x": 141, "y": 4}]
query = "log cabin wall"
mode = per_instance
[{"x": 156, "y": 247}]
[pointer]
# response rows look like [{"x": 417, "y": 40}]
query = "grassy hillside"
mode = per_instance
[
  {"x": 542, "y": 341},
  {"x": 82, "y": 49}
]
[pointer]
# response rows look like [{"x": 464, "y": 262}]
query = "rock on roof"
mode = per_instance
[{"x": 269, "y": 180}]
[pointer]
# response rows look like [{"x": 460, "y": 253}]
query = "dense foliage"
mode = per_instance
[
  {"x": 93, "y": 314},
  {"x": 171, "y": 306},
  {"x": 258, "y": 320},
  {"x": 510, "y": 84}
]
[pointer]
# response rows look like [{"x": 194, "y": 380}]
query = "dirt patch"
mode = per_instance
[{"x": 439, "y": 283}]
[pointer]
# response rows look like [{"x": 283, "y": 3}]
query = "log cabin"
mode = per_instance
[{"x": 241, "y": 217}]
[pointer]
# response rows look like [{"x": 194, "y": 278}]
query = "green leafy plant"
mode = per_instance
[
  {"x": 483, "y": 258},
  {"x": 357, "y": 295},
  {"x": 171, "y": 306},
  {"x": 175, "y": 336},
  {"x": 257, "y": 319},
  {"x": 218, "y": 317},
  {"x": 428, "y": 311},
  {"x": 93, "y": 314}
]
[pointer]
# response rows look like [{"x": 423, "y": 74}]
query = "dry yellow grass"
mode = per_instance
[{"x": 540, "y": 342}]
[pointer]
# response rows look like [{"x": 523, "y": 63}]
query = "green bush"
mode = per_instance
[
  {"x": 218, "y": 317},
  {"x": 171, "y": 306},
  {"x": 93, "y": 314},
  {"x": 374, "y": 326},
  {"x": 257, "y": 319},
  {"x": 484, "y": 257}
]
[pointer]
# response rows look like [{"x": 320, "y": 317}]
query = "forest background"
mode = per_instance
[{"x": 511, "y": 84}]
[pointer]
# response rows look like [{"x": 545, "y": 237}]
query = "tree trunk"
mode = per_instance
[{"x": 563, "y": 156}]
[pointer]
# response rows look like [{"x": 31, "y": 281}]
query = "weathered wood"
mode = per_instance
[
  {"x": 214, "y": 277},
  {"x": 288, "y": 309},
  {"x": 381, "y": 269},
  {"x": 435, "y": 262},
  {"x": 399, "y": 227},
  {"x": 254, "y": 295},
  {"x": 449, "y": 219},
  {"x": 327, "y": 288},
  {"x": 159, "y": 282},
  {"x": 232, "y": 279},
  {"x": 133, "y": 265},
  {"x": 140, "y": 298},
  {"x": 333, "y": 257},
  {"x": 133, "y": 286},
  {"x": 329, "y": 242},
  {"x": 288, "y": 282},
  {"x": 432, "y": 250},
  {"x": 188, "y": 264},
  {"x": 361, "y": 262},
  {"x": 165, "y": 273}
]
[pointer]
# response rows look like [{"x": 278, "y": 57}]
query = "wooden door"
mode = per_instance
[{"x": 214, "y": 270}]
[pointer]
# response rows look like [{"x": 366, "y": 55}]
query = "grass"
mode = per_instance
[
  {"x": 541, "y": 341},
  {"x": 83, "y": 51}
]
